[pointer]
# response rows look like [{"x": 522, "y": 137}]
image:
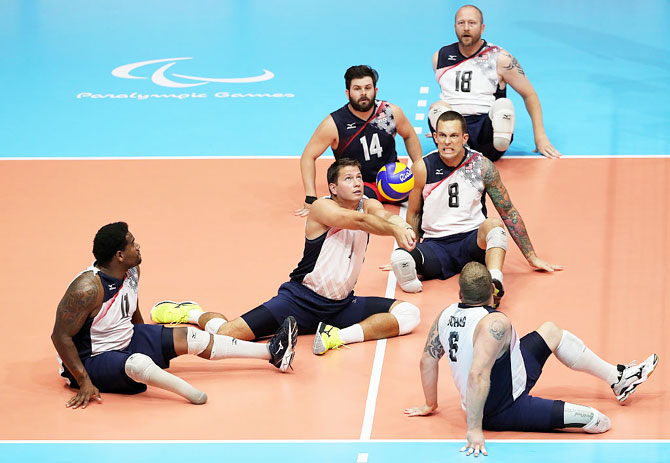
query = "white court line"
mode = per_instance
[
  {"x": 375, "y": 376},
  {"x": 333, "y": 441}
]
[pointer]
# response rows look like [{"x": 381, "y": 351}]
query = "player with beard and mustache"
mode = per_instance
[
  {"x": 364, "y": 130},
  {"x": 473, "y": 75}
]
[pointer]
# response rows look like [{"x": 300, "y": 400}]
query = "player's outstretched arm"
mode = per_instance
[
  {"x": 415, "y": 201},
  {"x": 491, "y": 337},
  {"x": 324, "y": 136},
  {"x": 511, "y": 217},
  {"x": 84, "y": 295},
  {"x": 432, "y": 353},
  {"x": 406, "y": 131},
  {"x": 511, "y": 72},
  {"x": 329, "y": 214}
]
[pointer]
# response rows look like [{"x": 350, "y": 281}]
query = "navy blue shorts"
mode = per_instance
[
  {"x": 310, "y": 308},
  {"x": 527, "y": 413},
  {"x": 446, "y": 257},
  {"x": 107, "y": 370}
]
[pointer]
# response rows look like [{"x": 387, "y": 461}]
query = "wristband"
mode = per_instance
[{"x": 310, "y": 199}]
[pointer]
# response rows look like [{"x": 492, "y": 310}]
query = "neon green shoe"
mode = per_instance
[
  {"x": 173, "y": 312},
  {"x": 327, "y": 337}
]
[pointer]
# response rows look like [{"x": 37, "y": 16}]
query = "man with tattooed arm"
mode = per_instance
[
  {"x": 494, "y": 370},
  {"x": 473, "y": 76},
  {"x": 447, "y": 205},
  {"x": 103, "y": 344}
]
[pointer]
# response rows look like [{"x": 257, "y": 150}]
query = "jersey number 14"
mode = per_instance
[{"x": 375, "y": 146}]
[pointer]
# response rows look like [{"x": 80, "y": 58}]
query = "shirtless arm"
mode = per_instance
[
  {"x": 406, "y": 131},
  {"x": 511, "y": 72},
  {"x": 511, "y": 217},
  {"x": 325, "y": 213},
  {"x": 324, "y": 136},
  {"x": 81, "y": 299},
  {"x": 491, "y": 337},
  {"x": 432, "y": 353}
]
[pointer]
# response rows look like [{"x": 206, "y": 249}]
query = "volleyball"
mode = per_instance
[{"x": 395, "y": 181}]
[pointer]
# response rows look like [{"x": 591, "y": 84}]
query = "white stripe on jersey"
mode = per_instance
[
  {"x": 339, "y": 263},
  {"x": 454, "y": 205},
  {"x": 470, "y": 86},
  {"x": 456, "y": 328}
]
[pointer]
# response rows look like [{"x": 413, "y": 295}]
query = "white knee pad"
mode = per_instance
[
  {"x": 502, "y": 118},
  {"x": 139, "y": 368},
  {"x": 214, "y": 324},
  {"x": 197, "y": 340},
  {"x": 570, "y": 349},
  {"x": 404, "y": 269},
  {"x": 496, "y": 238},
  {"x": 435, "y": 111},
  {"x": 408, "y": 316}
]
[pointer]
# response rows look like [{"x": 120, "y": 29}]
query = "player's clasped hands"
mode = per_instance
[{"x": 405, "y": 237}]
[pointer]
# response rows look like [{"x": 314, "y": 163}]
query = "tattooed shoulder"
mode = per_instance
[
  {"x": 434, "y": 347},
  {"x": 513, "y": 64},
  {"x": 498, "y": 329}
]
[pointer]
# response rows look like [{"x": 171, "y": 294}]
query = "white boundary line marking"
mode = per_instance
[
  {"x": 341, "y": 441},
  {"x": 375, "y": 376}
]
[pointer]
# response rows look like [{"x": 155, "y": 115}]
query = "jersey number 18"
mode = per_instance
[{"x": 463, "y": 81}]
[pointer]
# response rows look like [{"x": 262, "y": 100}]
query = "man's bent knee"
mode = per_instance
[{"x": 408, "y": 316}]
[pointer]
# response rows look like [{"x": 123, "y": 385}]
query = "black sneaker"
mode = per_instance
[
  {"x": 282, "y": 344},
  {"x": 498, "y": 293}
]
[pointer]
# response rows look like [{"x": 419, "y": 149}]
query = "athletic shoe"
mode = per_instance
[
  {"x": 632, "y": 375},
  {"x": 498, "y": 293},
  {"x": 598, "y": 424},
  {"x": 173, "y": 312},
  {"x": 327, "y": 337},
  {"x": 282, "y": 344}
]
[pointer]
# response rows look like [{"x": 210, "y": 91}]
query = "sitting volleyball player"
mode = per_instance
[
  {"x": 104, "y": 346},
  {"x": 494, "y": 371},
  {"x": 448, "y": 206},
  {"x": 320, "y": 291},
  {"x": 473, "y": 76}
]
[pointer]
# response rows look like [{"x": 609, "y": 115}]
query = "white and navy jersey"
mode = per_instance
[
  {"x": 371, "y": 142},
  {"x": 111, "y": 328},
  {"x": 453, "y": 197},
  {"x": 469, "y": 84},
  {"x": 331, "y": 263},
  {"x": 456, "y": 328}
]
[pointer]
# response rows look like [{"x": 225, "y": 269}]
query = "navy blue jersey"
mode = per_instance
[{"x": 371, "y": 142}]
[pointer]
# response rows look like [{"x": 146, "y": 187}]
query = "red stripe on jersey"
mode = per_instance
[
  {"x": 435, "y": 185},
  {"x": 381, "y": 105},
  {"x": 483, "y": 52}
]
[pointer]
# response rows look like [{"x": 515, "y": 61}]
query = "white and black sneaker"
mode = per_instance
[
  {"x": 631, "y": 376},
  {"x": 282, "y": 344}
]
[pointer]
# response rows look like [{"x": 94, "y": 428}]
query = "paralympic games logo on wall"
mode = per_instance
[{"x": 159, "y": 78}]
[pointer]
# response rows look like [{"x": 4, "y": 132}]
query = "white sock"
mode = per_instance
[
  {"x": 575, "y": 355},
  {"x": 193, "y": 316},
  {"x": 227, "y": 347},
  {"x": 354, "y": 333},
  {"x": 496, "y": 274},
  {"x": 142, "y": 369}
]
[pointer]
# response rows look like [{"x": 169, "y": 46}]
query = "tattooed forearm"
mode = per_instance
[
  {"x": 434, "y": 347},
  {"x": 514, "y": 64},
  {"x": 508, "y": 213},
  {"x": 497, "y": 329}
]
